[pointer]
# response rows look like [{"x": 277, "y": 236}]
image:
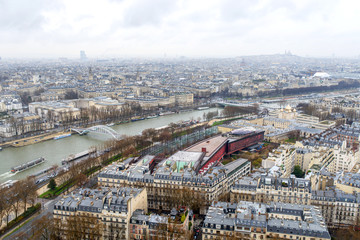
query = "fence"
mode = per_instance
[{"x": 180, "y": 142}]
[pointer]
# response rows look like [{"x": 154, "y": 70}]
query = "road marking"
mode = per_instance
[{"x": 46, "y": 204}]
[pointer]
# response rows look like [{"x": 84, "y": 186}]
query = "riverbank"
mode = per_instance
[
  {"x": 51, "y": 134},
  {"x": 32, "y": 140},
  {"x": 54, "y": 151}
]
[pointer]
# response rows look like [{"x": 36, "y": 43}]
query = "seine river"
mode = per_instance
[{"x": 56, "y": 150}]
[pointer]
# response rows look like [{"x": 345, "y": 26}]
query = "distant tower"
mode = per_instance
[
  {"x": 82, "y": 55},
  {"x": 137, "y": 78},
  {"x": 91, "y": 75}
]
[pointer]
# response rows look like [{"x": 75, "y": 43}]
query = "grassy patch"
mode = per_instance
[
  {"x": 28, "y": 213},
  {"x": 257, "y": 163},
  {"x": 225, "y": 121},
  {"x": 58, "y": 190},
  {"x": 291, "y": 140},
  {"x": 92, "y": 170},
  {"x": 112, "y": 159},
  {"x": 218, "y": 123}
]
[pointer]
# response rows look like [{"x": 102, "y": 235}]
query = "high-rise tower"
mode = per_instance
[{"x": 82, "y": 55}]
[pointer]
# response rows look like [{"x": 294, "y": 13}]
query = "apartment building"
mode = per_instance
[
  {"x": 11, "y": 105},
  {"x": 21, "y": 124},
  {"x": 307, "y": 119},
  {"x": 247, "y": 220},
  {"x": 347, "y": 182},
  {"x": 175, "y": 177},
  {"x": 345, "y": 158},
  {"x": 282, "y": 157},
  {"x": 99, "y": 213},
  {"x": 176, "y": 225},
  {"x": 55, "y": 110},
  {"x": 195, "y": 172},
  {"x": 265, "y": 189},
  {"x": 333, "y": 150},
  {"x": 307, "y": 156},
  {"x": 339, "y": 209},
  {"x": 349, "y": 133}
]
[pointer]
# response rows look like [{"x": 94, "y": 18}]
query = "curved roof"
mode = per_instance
[{"x": 321, "y": 75}]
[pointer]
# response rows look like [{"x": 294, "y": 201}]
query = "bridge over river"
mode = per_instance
[{"x": 102, "y": 129}]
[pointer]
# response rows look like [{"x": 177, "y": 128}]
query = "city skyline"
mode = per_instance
[{"x": 177, "y": 28}]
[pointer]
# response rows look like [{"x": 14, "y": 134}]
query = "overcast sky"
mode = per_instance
[{"x": 194, "y": 28}]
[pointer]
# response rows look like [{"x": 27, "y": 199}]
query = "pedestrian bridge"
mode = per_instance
[
  {"x": 102, "y": 129},
  {"x": 224, "y": 104}
]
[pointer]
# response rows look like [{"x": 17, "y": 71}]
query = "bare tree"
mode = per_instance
[
  {"x": 14, "y": 125},
  {"x": 27, "y": 191},
  {"x": 16, "y": 197},
  {"x": 149, "y": 133},
  {"x": 2, "y": 204},
  {"x": 41, "y": 229},
  {"x": 80, "y": 227},
  {"x": 7, "y": 203}
]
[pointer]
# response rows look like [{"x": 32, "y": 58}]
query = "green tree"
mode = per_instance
[
  {"x": 298, "y": 172},
  {"x": 52, "y": 184},
  {"x": 257, "y": 162}
]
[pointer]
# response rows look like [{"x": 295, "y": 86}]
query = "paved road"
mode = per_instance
[{"x": 25, "y": 231}]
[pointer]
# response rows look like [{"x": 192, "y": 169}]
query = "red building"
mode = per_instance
[{"x": 216, "y": 147}]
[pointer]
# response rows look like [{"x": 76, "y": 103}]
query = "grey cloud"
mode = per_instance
[
  {"x": 220, "y": 27},
  {"x": 234, "y": 10},
  {"x": 17, "y": 15},
  {"x": 144, "y": 12}
]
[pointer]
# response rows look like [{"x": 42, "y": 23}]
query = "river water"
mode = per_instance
[{"x": 56, "y": 150}]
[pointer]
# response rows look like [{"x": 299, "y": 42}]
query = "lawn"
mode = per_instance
[{"x": 58, "y": 190}]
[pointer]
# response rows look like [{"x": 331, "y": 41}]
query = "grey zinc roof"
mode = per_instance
[
  {"x": 285, "y": 182},
  {"x": 310, "y": 222},
  {"x": 166, "y": 171},
  {"x": 95, "y": 200},
  {"x": 246, "y": 183},
  {"x": 297, "y": 228}
]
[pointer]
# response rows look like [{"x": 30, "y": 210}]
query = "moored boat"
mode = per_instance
[
  {"x": 166, "y": 113},
  {"x": 62, "y": 136},
  {"x": 134, "y": 119},
  {"x": 27, "y": 165}
]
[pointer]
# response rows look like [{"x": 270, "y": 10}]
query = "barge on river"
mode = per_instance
[
  {"x": 27, "y": 165},
  {"x": 73, "y": 157}
]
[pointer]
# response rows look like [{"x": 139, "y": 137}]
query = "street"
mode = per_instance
[{"x": 25, "y": 231}]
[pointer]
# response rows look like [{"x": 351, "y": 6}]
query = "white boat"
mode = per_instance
[
  {"x": 203, "y": 108},
  {"x": 27, "y": 165},
  {"x": 62, "y": 136},
  {"x": 166, "y": 113}
]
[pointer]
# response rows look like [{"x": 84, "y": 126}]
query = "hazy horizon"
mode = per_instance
[{"x": 195, "y": 29}]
